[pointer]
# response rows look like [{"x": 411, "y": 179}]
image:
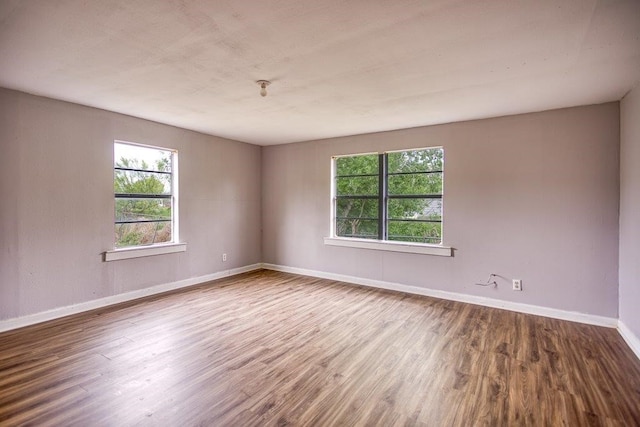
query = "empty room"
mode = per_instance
[{"x": 319, "y": 213}]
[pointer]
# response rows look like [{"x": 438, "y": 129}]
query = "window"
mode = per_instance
[
  {"x": 394, "y": 196},
  {"x": 145, "y": 195}
]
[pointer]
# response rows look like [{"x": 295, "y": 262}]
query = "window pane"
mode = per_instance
[
  {"x": 419, "y": 232},
  {"x": 418, "y": 183},
  {"x": 360, "y": 228},
  {"x": 358, "y": 185},
  {"x": 142, "y": 209},
  {"x": 133, "y": 182},
  {"x": 138, "y": 157},
  {"x": 147, "y": 172},
  {"x": 357, "y": 165},
  {"x": 422, "y": 209},
  {"x": 357, "y": 208},
  {"x": 411, "y": 176},
  {"x": 416, "y": 160},
  {"x": 145, "y": 233}
]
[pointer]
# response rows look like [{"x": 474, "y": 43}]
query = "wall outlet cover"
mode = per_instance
[{"x": 517, "y": 284}]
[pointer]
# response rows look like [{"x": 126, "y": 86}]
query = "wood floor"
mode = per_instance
[{"x": 269, "y": 348}]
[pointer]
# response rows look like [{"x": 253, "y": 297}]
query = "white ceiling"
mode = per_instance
[{"x": 338, "y": 67}]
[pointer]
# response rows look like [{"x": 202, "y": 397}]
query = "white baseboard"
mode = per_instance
[
  {"x": 19, "y": 322},
  {"x": 454, "y": 296},
  {"x": 628, "y": 336},
  {"x": 632, "y": 340}
]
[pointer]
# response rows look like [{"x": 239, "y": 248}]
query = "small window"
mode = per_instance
[
  {"x": 390, "y": 196},
  {"x": 145, "y": 195}
]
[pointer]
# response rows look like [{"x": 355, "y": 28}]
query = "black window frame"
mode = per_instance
[{"x": 383, "y": 197}]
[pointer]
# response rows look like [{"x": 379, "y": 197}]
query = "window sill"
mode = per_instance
[
  {"x": 138, "y": 252},
  {"x": 412, "y": 248}
]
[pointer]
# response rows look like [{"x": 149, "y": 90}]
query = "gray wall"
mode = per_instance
[
  {"x": 630, "y": 211},
  {"x": 533, "y": 196},
  {"x": 57, "y": 207}
]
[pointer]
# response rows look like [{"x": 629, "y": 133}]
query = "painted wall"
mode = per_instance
[
  {"x": 630, "y": 211},
  {"x": 57, "y": 207},
  {"x": 532, "y": 196}
]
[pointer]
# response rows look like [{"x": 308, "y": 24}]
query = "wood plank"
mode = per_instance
[{"x": 269, "y": 348}]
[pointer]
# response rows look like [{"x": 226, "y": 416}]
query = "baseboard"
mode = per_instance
[
  {"x": 628, "y": 336},
  {"x": 31, "y": 319},
  {"x": 454, "y": 296},
  {"x": 632, "y": 340}
]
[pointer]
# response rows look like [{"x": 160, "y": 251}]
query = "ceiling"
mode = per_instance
[{"x": 338, "y": 67}]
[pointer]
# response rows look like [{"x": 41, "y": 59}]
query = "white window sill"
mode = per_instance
[
  {"x": 142, "y": 251},
  {"x": 412, "y": 248}
]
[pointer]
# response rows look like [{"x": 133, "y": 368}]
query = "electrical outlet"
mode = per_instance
[
  {"x": 517, "y": 284},
  {"x": 224, "y": 257}
]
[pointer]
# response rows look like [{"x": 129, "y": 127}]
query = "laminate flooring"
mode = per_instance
[{"x": 269, "y": 348}]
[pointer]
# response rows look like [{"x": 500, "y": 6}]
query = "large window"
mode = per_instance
[
  {"x": 145, "y": 190},
  {"x": 390, "y": 196}
]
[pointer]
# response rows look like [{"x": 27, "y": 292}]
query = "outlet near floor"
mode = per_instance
[
  {"x": 224, "y": 257},
  {"x": 517, "y": 284}
]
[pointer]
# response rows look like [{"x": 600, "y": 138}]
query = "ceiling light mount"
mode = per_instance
[{"x": 263, "y": 86}]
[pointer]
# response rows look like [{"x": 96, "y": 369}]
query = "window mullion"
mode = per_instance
[
  {"x": 382, "y": 197},
  {"x": 141, "y": 196}
]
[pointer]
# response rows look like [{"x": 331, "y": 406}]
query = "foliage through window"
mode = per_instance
[
  {"x": 390, "y": 196},
  {"x": 144, "y": 195}
]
